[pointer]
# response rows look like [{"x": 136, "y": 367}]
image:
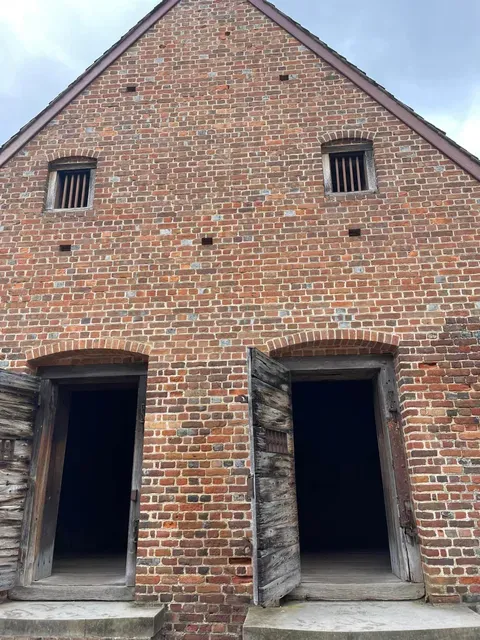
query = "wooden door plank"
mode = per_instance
[
  {"x": 276, "y": 553},
  {"x": 404, "y": 549},
  {"x": 44, "y": 562},
  {"x": 134, "y": 518},
  {"x": 18, "y": 404},
  {"x": 42, "y": 443},
  {"x": 270, "y": 371},
  {"x": 273, "y": 417},
  {"x": 270, "y": 396}
]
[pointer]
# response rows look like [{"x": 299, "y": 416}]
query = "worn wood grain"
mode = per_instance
[
  {"x": 358, "y": 592},
  {"x": 276, "y": 552},
  {"x": 42, "y": 442},
  {"x": 19, "y": 382},
  {"x": 89, "y": 372},
  {"x": 278, "y": 536},
  {"x": 38, "y": 592},
  {"x": 44, "y": 562},
  {"x": 271, "y": 489},
  {"x": 18, "y": 402},
  {"x": 273, "y": 465},
  {"x": 277, "y": 513},
  {"x": 271, "y": 593},
  {"x": 134, "y": 516},
  {"x": 274, "y": 418},
  {"x": 272, "y": 397},
  {"x": 277, "y": 563},
  {"x": 404, "y": 551},
  {"x": 270, "y": 371}
]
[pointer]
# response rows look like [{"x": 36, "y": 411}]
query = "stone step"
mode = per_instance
[
  {"x": 80, "y": 620},
  {"x": 362, "y": 621}
]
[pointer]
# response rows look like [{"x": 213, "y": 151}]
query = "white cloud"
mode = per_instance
[
  {"x": 65, "y": 32},
  {"x": 464, "y": 130}
]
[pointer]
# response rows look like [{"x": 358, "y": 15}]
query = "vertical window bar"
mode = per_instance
[
  {"x": 344, "y": 172},
  {"x": 352, "y": 182},
  {"x": 64, "y": 194},
  {"x": 337, "y": 171},
  {"x": 364, "y": 162},
  {"x": 359, "y": 175},
  {"x": 84, "y": 188},
  {"x": 70, "y": 194},
  {"x": 77, "y": 190}
]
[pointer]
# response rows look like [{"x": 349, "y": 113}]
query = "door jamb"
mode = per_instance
[
  {"x": 403, "y": 541},
  {"x": 52, "y": 379}
]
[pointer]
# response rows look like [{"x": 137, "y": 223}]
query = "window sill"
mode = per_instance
[
  {"x": 352, "y": 194},
  {"x": 72, "y": 210}
]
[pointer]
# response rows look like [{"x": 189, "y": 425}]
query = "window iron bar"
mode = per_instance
[
  {"x": 73, "y": 188},
  {"x": 348, "y": 172}
]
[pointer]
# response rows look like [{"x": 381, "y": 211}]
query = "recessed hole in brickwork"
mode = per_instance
[
  {"x": 284, "y": 78},
  {"x": 240, "y": 561},
  {"x": 228, "y": 33},
  {"x": 65, "y": 248},
  {"x": 131, "y": 88},
  {"x": 353, "y": 233},
  {"x": 207, "y": 241}
]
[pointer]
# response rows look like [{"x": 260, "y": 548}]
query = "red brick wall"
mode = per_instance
[{"x": 214, "y": 144}]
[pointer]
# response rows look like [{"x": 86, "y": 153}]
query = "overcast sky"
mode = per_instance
[{"x": 426, "y": 52}]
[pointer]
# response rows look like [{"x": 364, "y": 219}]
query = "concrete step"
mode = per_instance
[
  {"x": 80, "y": 620},
  {"x": 362, "y": 621}
]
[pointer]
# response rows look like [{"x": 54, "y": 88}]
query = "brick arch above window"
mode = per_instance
[
  {"x": 346, "y": 134},
  {"x": 106, "y": 345},
  {"x": 333, "y": 341},
  {"x": 69, "y": 154}
]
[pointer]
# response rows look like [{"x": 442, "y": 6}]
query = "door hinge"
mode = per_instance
[
  {"x": 136, "y": 527},
  {"x": 250, "y": 487},
  {"x": 392, "y": 401}
]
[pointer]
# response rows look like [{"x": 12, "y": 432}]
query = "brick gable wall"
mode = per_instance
[{"x": 213, "y": 143}]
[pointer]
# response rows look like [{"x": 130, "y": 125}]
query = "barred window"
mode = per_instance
[
  {"x": 71, "y": 184},
  {"x": 348, "y": 168}
]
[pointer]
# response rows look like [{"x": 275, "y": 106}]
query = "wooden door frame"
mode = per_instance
[
  {"x": 403, "y": 540},
  {"x": 54, "y": 381}
]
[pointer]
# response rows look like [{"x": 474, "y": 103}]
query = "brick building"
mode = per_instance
[{"x": 220, "y": 217}]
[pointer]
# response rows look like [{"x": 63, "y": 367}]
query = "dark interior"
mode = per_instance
[
  {"x": 339, "y": 485},
  {"x": 96, "y": 485}
]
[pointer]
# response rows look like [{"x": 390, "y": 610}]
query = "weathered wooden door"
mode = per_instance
[
  {"x": 134, "y": 521},
  {"x": 18, "y": 404},
  {"x": 276, "y": 548},
  {"x": 55, "y": 428}
]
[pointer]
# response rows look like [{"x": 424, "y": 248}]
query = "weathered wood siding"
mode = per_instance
[{"x": 18, "y": 401}]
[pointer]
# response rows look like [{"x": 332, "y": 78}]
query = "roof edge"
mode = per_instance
[{"x": 19, "y": 140}]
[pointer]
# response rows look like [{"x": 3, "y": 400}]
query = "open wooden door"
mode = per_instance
[
  {"x": 276, "y": 548},
  {"x": 18, "y": 405},
  {"x": 57, "y": 428},
  {"x": 402, "y": 531},
  {"x": 136, "y": 484}
]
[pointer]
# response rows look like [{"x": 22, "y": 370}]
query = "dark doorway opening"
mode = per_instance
[
  {"x": 339, "y": 483},
  {"x": 341, "y": 507},
  {"x": 92, "y": 526}
]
